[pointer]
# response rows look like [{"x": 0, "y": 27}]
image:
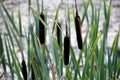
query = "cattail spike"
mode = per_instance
[
  {"x": 24, "y": 70},
  {"x": 78, "y": 32},
  {"x": 66, "y": 47},
  {"x": 58, "y": 32},
  {"x": 42, "y": 29},
  {"x": 78, "y": 25}
]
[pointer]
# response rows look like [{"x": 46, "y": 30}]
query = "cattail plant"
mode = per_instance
[
  {"x": 24, "y": 70},
  {"x": 66, "y": 47},
  {"x": 42, "y": 27},
  {"x": 58, "y": 32},
  {"x": 78, "y": 25}
]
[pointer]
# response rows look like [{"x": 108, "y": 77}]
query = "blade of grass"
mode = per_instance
[
  {"x": 86, "y": 8},
  {"x": 85, "y": 70},
  {"x": 19, "y": 42},
  {"x": 6, "y": 25},
  {"x": 20, "y": 23},
  {"x": 114, "y": 52},
  {"x": 56, "y": 16},
  {"x": 15, "y": 62},
  {"x": 69, "y": 73},
  {"x": 109, "y": 66},
  {"x": 10, "y": 19},
  {"x": 76, "y": 65},
  {"x": 55, "y": 53},
  {"x": 118, "y": 70},
  {"x": 2, "y": 56},
  {"x": 9, "y": 61},
  {"x": 10, "y": 35}
]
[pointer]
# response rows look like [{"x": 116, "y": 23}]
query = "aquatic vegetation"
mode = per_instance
[{"x": 51, "y": 61}]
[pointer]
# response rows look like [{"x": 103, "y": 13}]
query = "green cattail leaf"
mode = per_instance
[
  {"x": 20, "y": 23},
  {"x": 85, "y": 13},
  {"x": 69, "y": 74},
  {"x": 75, "y": 63},
  {"x": 96, "y": 41},
  {"x": 114, "y": 52},
  {"x": 18, "y": 41},
  {"x": 33, "y": 73},
  {"x": 105, "y": 9},
  {"x": 36, "y": 24},
  {"x": 39, "y": 56},
  {"x": 118, "y": 70},
  {"x": 15, "y": 62},
  {"x": 10, "y": 35},
  {"x": 2, "y": 56},
  {"x": 109, "y": 66},
  {"x": 90, "y": 55},
  {"x": 9, "y": 61},
  {"x": 8, "y": 30},
  {"x": 56, "y": 16},
  {"x": 55, "y": 52},
  {"x": 10, "y": 19}
]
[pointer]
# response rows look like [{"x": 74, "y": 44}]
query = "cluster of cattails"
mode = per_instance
[
  {"x": 78, "y": 25},
  {"x": 66, "y": 47},
  {"x": 24, "y": 70},
  {"x": 42, "y": 27}
]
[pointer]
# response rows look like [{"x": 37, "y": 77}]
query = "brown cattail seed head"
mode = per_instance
[
  {"x": 66, "y": 49},
  {"x": 42, "y": 29},
  {"x": 78, "y": 25},
  {"x": 58, "y": 33},
  {"x": 24, "y": 70}
]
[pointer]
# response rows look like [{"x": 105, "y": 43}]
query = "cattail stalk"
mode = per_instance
[
  {"x": 24, "y": 70},
  {"x": 78, "y": 25},
  {"x": 42, "y": 27},
  {"x": 66, "y": 47}
]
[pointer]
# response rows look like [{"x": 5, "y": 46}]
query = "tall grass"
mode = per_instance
[{"x": 46, "y": 62}]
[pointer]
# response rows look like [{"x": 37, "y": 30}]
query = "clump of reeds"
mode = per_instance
[
  {"x": 58, "y": 25},
  {"x": 42, "y": 27},
  {"x": 24, "y": 70},
  {"x": 78, "y": 25},
  {"x": 66, "y": 47}
]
